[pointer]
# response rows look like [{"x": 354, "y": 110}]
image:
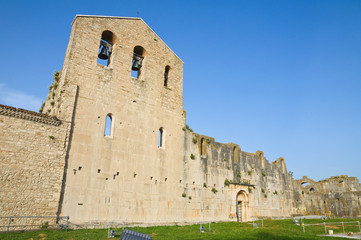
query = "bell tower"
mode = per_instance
[{"x": 121, "y": 87}]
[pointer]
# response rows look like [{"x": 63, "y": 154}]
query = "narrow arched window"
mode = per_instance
[
  {"x": 160, "y": 138},
  {"x": 108, "y": 125},
  {"x": 138, "y": 56},
  {"x": 166, "y": 75},
  {"x": 105, "y": 48}
]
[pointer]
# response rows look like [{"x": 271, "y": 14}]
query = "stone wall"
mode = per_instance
[
  {"x": 125, "y": 176},
  {"x": 216, "y": 173},
  {"x": 337, "y": 196},
  {"x": 32, "y": 156}
]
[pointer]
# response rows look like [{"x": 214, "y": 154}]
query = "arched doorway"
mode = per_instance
[{"x": 242, "y": 206}]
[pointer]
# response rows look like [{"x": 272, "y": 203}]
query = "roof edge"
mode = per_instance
[{"x": 133, "y": 18}]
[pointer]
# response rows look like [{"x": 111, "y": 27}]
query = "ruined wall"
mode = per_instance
[
  {"x": 337, "y": 196},
  {"x": 271, "y": 191},
  {"x": 215, "y": 173},
  {"x": 32, "y": 157}
]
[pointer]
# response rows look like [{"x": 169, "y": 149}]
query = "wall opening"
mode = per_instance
[
  {"x": 138, "y": 56},
  {"x": 166, "y": 75},
  {"x": 160, "y": 138},
  {"x": 235, "y": 155},
  {"x": 202, "y": 146},
  {"x": 105, "y": 48},
  {"x": 242, "y": 207},
  {"x": 108, "y": 125}
]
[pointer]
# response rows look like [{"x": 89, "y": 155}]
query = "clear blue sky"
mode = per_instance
[{"x": 283, "y": 77}]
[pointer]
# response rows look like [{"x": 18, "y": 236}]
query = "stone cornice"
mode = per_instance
[{"x": 29, "y": 115}]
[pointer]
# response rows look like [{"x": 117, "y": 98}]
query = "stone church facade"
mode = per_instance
[{"x": 112, "y": 145}]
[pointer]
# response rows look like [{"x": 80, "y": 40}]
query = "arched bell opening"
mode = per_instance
[
  {"x": 138, "y": 56},
  {"x": 105, "y": 48},
  {"x": 242, "y": 206}
]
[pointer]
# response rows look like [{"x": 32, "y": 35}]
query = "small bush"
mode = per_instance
[
  {"x": 192, "y": 156},
  {"x": 227, "y": 182},
  {"x": 228, "y": 167},
  {"x": 52, "y": 103},
  {"x": 55, "y": 86},
  {"x": 214, "y": 190},
  {"x": 45, "y": 225},
  {"x": 188, "y": 128},
  {"x": 194, "y": 140},
  {"x": 184, "y": 195},
  {"x": 208, "y": 141},
  {"x": 265, "y": 196},
  {"x": 239, "y": 175},
  {"x": 341, "y": 181},
  {"x": 52, "y": 137},
  {"x": 41, "y": 107},
  {"x": 190, "y": 198},
  {"x": 262, "y": 190},
  {"x": 263, "y": 174},
  {"x": 204, "y": 185},
  {"x": 249, "y": 172},
  {"x": 250, "y": 190},
  {"x": 275, "y": 192},
  {"x": 56, "y": 76}
]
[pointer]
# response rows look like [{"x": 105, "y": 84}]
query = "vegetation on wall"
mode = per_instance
[
  {"x": 52, "y": 94},
  {"x": 41, "y": 107},
  {"x": 227, "y": 182},
  {"x": 187, "y": 128}
]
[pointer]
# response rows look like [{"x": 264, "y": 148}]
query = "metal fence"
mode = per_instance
[
  {"x": 17, "y": 223},
  {"x": 354, "y": 226}
]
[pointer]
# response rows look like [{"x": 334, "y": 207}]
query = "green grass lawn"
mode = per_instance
[{"x": 273, "y": 229}]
